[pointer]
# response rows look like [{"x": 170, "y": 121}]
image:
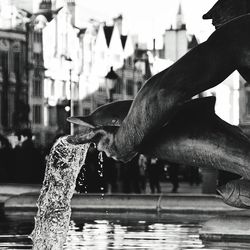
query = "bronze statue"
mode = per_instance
[
  {"x": 226, "y": 10},
  {"x": 204, "y": 67},
  {"x": 151, "y": 126},
  {"x": 195, "y": 136}
]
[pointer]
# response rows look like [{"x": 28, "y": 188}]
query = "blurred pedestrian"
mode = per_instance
[
  {"x": 131, "y": 176},
  {"x": 6, "y": 159},
  {"x": 142, "y": 162},
  {"x": 90, "y": 175},
  {"x": 153, "y": 173},
  {"x": 173, "y": 172},
  {"x": 193, "y": 175},
  {"x": 109, "y": 174},
  {"x": 29, "y": 160}
]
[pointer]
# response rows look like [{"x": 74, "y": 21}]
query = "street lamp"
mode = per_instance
[
  {"x": 69, "y": 60},
  {"x": 111, "y": 79}
]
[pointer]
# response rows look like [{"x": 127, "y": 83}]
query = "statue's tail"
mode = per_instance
[{"x": 236, "y": 193}]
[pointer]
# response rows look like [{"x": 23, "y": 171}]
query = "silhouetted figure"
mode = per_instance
[
  {"x": 125, "y": 178},
  {"x": 142, "y": 162},
  {"x": 135, "y": 175},
  {"x": 29, "y": 160},
  {"x": 153, "y": 172},
  {"x": 110, "y": 174},
  {"x": 93, "y": 178},
  {"x": 131, "y": 176},
  {"x": 193, "y": 175},
  {"x": 173, "y": 171},
  {"x": 6, "y": 160}
]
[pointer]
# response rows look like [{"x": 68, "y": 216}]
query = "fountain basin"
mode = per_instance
[{"x": 183, "y": 203}]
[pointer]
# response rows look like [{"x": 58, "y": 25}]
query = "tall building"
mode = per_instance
[
  {"x": 61, "y": 61},
  {"x": 44, "y": 13},
  {"x": 21, "y": 66},
  {"x": 175, "y": 39},
  {"x": 176, "y": 43},
  {"x": 14, "y": 112}
]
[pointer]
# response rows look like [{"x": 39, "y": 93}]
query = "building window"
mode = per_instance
[
  {"x": 45, "y": 5},
  {"x": 37, "y": 88},
  {"x": 37, "y": 73},
  {"x": 17, "y": 64},
  {"x": 130, "y": 61},
  {"x": 4, "y": 61},
  {"x": 102, "y": 87},
  {"x": 118, "y": 87},
  {"x": 52, "y": 116},
  {"x": 37, "y": 59},
  {"x": 37, "y": 36},
  {"x": 130, "y": 87},
  {"x": 37, "y": 114}
]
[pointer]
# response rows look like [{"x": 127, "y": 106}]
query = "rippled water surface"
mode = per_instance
[{"x": 117, "y": 234}]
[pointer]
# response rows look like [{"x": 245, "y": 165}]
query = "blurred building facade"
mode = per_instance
[
  {"x": 61, "y": 60},
  {"x": 176, "y": 43},
  {"x": 14, "y": 71},
  {"x": 103, "y": 47},
  {"x": 77, "y": 63},
  {"x": 176, "y": 40},
  {"x": 43, "y": 56},
  {"x": 46, "y": 60}
]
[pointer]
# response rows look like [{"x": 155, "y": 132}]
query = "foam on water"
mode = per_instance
[{"x": 54, "y": 210}]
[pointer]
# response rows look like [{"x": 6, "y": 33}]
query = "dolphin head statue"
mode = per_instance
[
  {"x": 101, "y": 125},
  {"x": 225, "y": 10},
  {"x": 111, "y": 114}
]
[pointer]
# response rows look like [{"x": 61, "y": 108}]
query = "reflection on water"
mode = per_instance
[
  {"x": 135, "y": 235},
  {"x": 117, "y": 234}
]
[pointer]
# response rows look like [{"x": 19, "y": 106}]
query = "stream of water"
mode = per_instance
[{"x": 54, "y": 211}]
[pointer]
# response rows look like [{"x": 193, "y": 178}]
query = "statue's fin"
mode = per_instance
[
  {"x": 111, "y": 114},
  {"x": 204, "y": 105},
  {"x": 198, "y": 109}
]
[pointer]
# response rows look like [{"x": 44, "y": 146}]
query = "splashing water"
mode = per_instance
[
  {"x": 82, "y": 178},
  {"x": 53, "y": 215},
  {"x": 100, "y": 172}
]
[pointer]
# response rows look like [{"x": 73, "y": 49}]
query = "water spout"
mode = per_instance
[{"x": 54, "y": 210}]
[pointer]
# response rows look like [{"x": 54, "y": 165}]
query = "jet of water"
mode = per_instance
[{"x": 54, "y": 210}]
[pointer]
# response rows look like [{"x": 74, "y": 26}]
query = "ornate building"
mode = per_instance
[
  {"x": 21, "y": 68},
  {"x": 14, "y": 71}
]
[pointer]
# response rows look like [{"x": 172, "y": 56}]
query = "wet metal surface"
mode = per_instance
[{"x": 102, "y": 234}]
